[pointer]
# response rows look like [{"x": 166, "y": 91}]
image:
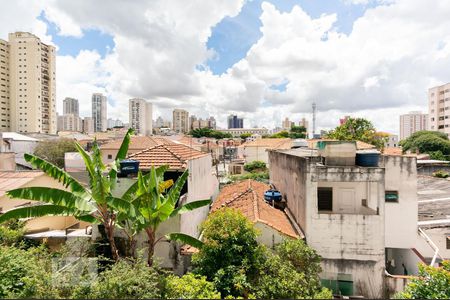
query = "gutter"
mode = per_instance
[{"x": 432, "y": 245}]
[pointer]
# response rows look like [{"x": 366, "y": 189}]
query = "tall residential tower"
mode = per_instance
[
  {"x": 141, "y": 116},
  {"x": 99, "y": 113},
  {"x": 439, "y": 108},
  {"x": 180, "y": 121},
  {"x": 412, "y": 122}
]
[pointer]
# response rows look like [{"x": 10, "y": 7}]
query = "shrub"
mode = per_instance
[
  {"x": 441, "y": 174},
  {"x": 189, "y": 286},
  {"x": 261, "y": 176},
  {"x": 256, "y": 165},
  {"x": 11, "y": 233}
]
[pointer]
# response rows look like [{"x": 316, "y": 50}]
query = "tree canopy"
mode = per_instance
[
  {"x": 434, "y": 143},
  {"x": 358, "y": 129},
  {"x": 53, "y": 150},
  {"x": 208, "y": 132}
]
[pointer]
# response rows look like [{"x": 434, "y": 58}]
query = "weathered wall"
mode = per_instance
[
  {"x": 395, "y": 285},
  {"x": 269, "y": 236},
  {"x": 256, "y": 153},
  {"x": 401, "y": 217},
  {"x": 289, "y": 175},
  {"x": 439, "y": 237},
  {"x": 202, "y": 184},
  {"x": 367, "y": 275}
]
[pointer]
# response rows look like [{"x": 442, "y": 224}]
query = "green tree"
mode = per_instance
[
  {"x": 358, "y": 129},
  {"x": 189, "y": 286},
  {"x": 94, "y": 204},
  {"x": 432, "y": 142},
  {"x": 279, "y": 135},
  {"x": 245, "y": 135},
  {"x": 230, "y": 256},
  {"x": 154, "y": 203},
  {"x": 53, "y": 150},
  {"x": 432, "y": 283},
  {"x": 297, "y": 132},
  {"x": 256, "y": 165}
]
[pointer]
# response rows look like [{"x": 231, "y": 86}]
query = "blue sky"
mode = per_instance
[{"x": 231, "y": 38}]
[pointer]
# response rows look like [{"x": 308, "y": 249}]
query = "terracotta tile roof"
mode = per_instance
[
  {"x": 359, "y": 145},
  {"x": 392, "y": 151},
  {"x": 10, "y": 180},
  {"x": 174, "y": 155},
  {"x": 248, "y": 197},
  {"x": 270, "y": 143},
  {"x": 137, "y": 143}
]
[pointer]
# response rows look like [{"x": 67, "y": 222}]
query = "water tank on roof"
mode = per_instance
[
  {"x": 299, "y": 143},
  {"x": 272, "y": 196},
  {"x": 367, "y": 158},
  {"x": 128, "y": 167}
]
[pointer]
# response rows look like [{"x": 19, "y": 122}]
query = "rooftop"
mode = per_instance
[
  {"x": 270, "y": 143},
  {"x": 434, "y": 201},
  {"x": 137, "y": 143},
  {"x": 312, "y": 143},
  {"x": 174, "y": 155},
  {"x": 10, "y": 180},
  {"x": 17, "y": 137},
  {"x": 248, "y": 197}
]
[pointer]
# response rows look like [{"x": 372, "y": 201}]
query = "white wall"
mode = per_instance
[
  {"x": 202, "y": 184},
  {"x": 255, "y": 153},
  {"x": 269, "y": 236},
  {"x": 401, "y": 217}
]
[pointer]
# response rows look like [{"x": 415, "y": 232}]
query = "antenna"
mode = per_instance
[{"x": 314, "y": 118}]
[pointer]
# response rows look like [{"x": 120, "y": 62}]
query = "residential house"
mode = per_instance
[
  {"x": 248, "y": 197},
  {"x": 18, "y": 144},
  {"x": 257, "y": 149}
]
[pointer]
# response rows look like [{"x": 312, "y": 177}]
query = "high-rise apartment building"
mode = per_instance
[
  {"x": 71, "y": 106},
  {"x": 70, "y": 122},
  {"x": 88, "y": 125},
  {"x": 114, "y": 123},
  {"x": 412, "y": 122},
  {"x": 27, "y": 84},
  {"x": 141, "y": 116},
  {"x": 180, "y": 121},
  {"x": 287, "y": 124},
  {"x": 99, "y": 113},
  {"x": 439, "y": 108},
  {"x": 235, "y": 122}
]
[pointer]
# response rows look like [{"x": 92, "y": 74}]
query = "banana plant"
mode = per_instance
[
  {"x": 95, "y": 204},
  {"x": 155, "y": 201}
]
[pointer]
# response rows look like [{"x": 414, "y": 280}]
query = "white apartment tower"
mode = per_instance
[
  {"x": 141, "y": 116},
  {"x": 180, "y": 121},
  {"x": 439, "y": 108},
  {"x": 27, "y": 84},
  {"x": 412, "y": 122},
  {"x": 99, "y": 113}
]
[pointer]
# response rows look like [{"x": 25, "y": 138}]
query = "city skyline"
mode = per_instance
[{"x": 220, "y": 74}]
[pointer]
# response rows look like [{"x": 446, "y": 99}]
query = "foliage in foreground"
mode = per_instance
[
  {"x": 432, "y": 283},
  {"x": 240, "y": 267},
  {"x": 189, "y": 286}
]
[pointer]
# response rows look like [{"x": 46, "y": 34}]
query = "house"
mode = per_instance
[
  {"x": 55, "y": 228},
  {"x": 248, "y": 197},
  {"x": 357, "y": 213},
  {"x": 257, "y": 149},
  {"x": 18, "y": 144},
  {"x": 201, "y": 184},
  {"x": 137, "y": 143}
]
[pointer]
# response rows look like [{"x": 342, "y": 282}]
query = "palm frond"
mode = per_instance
[
  {"x": 190, "y": 206},
  {"x": 185, "y": 239},
  {"x": 34, "y": 212}
]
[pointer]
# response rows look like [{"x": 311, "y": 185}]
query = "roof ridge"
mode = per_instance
[
  {"x": 142, "y": 151},
  {"x": 173, "y": 153},
  {"x": 236, "y": 197},
  {"x": 255, "y": 201}
]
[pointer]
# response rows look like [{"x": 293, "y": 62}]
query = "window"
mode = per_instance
[
  {"x": 109, "y": 156},
  {"x": 325, "y": 198},
  {"x": 391, "y": 196},
  {"x": 448, "y": 241}
]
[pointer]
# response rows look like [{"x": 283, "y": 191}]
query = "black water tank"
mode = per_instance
[
  {"x": 128, "y": 167},
  {"x": 367, "y": 159}
]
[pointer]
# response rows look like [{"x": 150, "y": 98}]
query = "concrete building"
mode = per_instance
[
  {"x": 235, "y": 122},
  {"x": 18, "y": 144},
  {"x": 70, "y": 122},
  {"x": 180, "y": 121},
  {"x": 202, "y": 123},
  {"x": 439, "y": 108},
  {"x": 141, "y": 116},
  {"x": 287, "y": 124},
  {"x": 114, "y": 123},
  {"x": 392, "y": 141},
  {"x": 413, "y": 122},
  {"x": 27, "y": 84},
  {"x": 352, "y": 215},
  {"x": 88, "y": 125},
  {"x": 71, "y": 106},
  {"x": 257, "y": 149},
  {"x": 236, "y": 132},
  {"x": 303, "y": 122},
  {"x": 99, "y": 112}
]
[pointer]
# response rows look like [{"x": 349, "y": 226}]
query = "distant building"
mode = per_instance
[
  {"x": 27, "y": 85},
  {"x": 70, "y": 122},
  {"x": 88, "y": 125},
  {"x": 412, "y": 122},
  {"x": 141, "y": 116},
  {"x": 392, "y": 141},
  {"x": 439, "y": 108},
  {"x": 114, "y": 123},
  {"x": 161, "y": 123},
  {"x": 236, "y": 132},
  {"x": 71, "y": 106},
  {"x": 202, "y": 123},
  {"x": 235, "y": 122},
  {"x": 287, "y": 124},
  {"x": 180, "y": 121},
  {"x": 99, "y": 112}
]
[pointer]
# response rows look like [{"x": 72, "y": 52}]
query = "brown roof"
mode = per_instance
[
  {"x": 137, "y": 143},
  {"x": 248, "y": 197},
  {"x": 359, "y": 145},
  {"x": 10, "y": 180},
  {"x": 174, "y": 155},
  {"x": 270, "y": 143},
  {"x": 392, "y": 151}
]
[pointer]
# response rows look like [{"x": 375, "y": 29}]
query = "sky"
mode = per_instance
[{"x": 263, "y": 60}]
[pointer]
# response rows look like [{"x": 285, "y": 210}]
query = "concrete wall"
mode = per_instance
[
  {"x": 439, "y": 237},
  {"x": 396, "y": 258},
  {"x": 255, "y": 153},
  {"x": 401, "y": 217},
  {"x": 202, "y": 184},
  {"x": 269, "y": 236}
]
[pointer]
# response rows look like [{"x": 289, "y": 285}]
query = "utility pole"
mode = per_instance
[{"x": 314, "y": 118}]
